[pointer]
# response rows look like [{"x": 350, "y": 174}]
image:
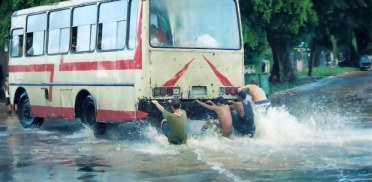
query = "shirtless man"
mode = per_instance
[
  {"x": 261, "y": 102},
  {"x": 223, "y": 113}
]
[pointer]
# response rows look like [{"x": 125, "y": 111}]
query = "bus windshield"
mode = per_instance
[{"x": 194, "y": 24}]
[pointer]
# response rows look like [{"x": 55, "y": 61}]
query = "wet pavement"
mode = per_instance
[
  {"x": 349, "y": 95},
  {"x": 318, "y": 132}
]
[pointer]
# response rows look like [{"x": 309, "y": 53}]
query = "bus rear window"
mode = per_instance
[{"x": 198, "y": 24}]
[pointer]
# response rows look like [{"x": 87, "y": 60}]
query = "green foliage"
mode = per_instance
[
  {"x": 332, "y": 25},
  {"x": 323, "y": 71},
  {"x": 346, "y": 24},
  {"x": 254, "y": 34},
  {"x": 285, "y": 20},
  {"x": 5, "y": 14},
  {"x": 8, "y": 7}
]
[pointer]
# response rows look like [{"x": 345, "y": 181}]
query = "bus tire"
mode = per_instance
[
  {"x": 25, "y": 116},
  {"x": 89, "y": 116}
]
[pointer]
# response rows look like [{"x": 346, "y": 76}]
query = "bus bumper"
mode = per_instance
[{"x": 192, "y": 109}]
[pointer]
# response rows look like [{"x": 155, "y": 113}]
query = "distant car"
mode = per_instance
[{"x": 365, "y": 62}]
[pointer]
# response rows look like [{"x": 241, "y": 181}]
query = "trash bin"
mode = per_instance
[
  {"x": 248, "y": 77},
  {"x": 264, "y": 82}
]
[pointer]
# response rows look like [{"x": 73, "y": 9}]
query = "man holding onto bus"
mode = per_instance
[
  {"x": 261, "y": 102},
  {"x": 224, "y": 127},
  {"x": 243, "y": 117},
  {"x": 173, "y": 124}
]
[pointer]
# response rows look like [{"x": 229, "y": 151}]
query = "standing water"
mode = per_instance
[
  {"x": 321, "y": 136},
  {"x": 283, "y": 149}
]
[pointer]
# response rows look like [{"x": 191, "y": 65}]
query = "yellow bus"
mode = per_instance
[{"x": 102, "y": 61}]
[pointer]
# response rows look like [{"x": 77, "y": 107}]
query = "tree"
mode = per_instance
[
  {"x": 362, "y": 16},
  {"x": 284, "y": 22},
  {"x": 254, "y": 35},
  {"x": 7, "y": 7},
  {"x": 5, "y": 14},
  {"x": 344, "y": 27}
]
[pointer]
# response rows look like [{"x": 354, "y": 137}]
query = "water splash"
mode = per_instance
[
  {"x": 157, "y": 143},
  {"x": 285, "y": 142},
  {"x": 154, "y": 135},
  {"x": 85, "y": 134}
]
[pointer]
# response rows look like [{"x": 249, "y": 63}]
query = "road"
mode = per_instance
[
  {"x": 350, "y": 94},
  {"x": 316, "y": 132}
]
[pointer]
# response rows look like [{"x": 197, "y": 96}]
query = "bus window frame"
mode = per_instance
[
  {"x": 96, "y": 24},
  {"x": 47, "y": 34},
  {"x": 11, "y": 42}
]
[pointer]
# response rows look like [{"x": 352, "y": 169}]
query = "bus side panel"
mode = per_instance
[
  {"x": 113, "y": 78},
  {"x": 105, "y": 76}
]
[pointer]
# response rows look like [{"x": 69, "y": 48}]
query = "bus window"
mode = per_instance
[
  {"x": 59, "y": 32},
  {"x": 16, "y": 43},
  {"x": 83, "y": 36},
  {"x": 196, "y": 25},
  {"x": 133, "y": 24},
  {"x": 112, "y": 25},
  {"x": 36, "y": 26}
]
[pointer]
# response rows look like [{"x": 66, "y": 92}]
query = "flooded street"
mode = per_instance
[{"x": 312, "y": 134}]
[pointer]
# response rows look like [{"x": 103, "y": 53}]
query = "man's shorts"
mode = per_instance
[{"x": 262, "y": 106}]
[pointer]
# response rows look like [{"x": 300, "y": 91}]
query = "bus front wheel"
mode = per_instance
[
  {"x": 88, "y": 116},
  {"x": 27, "y": 119}
]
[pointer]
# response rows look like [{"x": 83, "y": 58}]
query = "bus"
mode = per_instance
[{"x": 102, "y": 61}]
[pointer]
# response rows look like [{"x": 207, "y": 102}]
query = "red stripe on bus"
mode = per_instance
[
  {"x": 93, "y": 66},
  {"x": 220, "y": 76},
  {"x": 110, "y": 115},
  {"x": 172, "y": 82},
  {"x": 102, "y": 115},
  {"x": 47, "y": 112},
  {"x": 36, "y": 68},
  {"x": 138, "y": 51}
]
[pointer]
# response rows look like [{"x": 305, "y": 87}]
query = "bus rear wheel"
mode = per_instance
[
  {"x": 27, "y": 119},
  {"x": 89, "y": 117}
]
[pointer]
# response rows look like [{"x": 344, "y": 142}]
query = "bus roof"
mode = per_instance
[{"x": 59, "y": 5}]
